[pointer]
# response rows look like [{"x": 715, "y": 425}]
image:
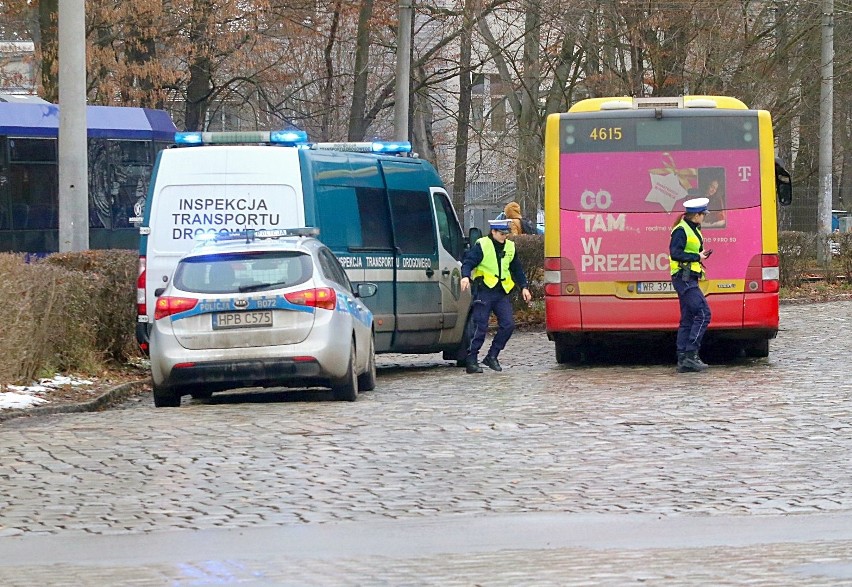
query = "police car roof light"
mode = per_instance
[
  {"x": 290, "y": 138},
  {"x": 252, "y": 234},
  {"x": 383, "y": 147},
  {"x": 305, "y": 231}
]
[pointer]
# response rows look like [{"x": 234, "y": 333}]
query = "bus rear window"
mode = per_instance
[{"x": 658, "y": 133}]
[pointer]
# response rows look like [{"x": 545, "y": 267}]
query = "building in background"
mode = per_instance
[{"x": 17, "y": 69}]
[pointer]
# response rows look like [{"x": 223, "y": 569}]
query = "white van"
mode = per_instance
[{"x": 387, "y": 217}]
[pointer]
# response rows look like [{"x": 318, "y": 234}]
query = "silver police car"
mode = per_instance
[{"x": 261, "y": 309}]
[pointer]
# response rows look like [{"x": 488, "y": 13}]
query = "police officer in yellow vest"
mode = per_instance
[
  {"x": 686, "y": 256},
  {"x": 495, "y": 271}
]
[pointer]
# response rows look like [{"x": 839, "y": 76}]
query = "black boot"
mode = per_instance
[
  {"x": 691, "y": 363},
  {"x": 472, "y": 365},
  {"x": 492, "y": 363}
]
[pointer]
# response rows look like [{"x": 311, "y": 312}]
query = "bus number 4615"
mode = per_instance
[{"x": 612, "y": 133}]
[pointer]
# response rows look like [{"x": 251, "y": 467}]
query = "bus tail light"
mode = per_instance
[
  {"x": 560, "y": 277},
  {"x": 141, "y": 305},
  {"x": 763, "y": 274}
]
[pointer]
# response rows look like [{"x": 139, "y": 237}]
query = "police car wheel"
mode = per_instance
[
  {"x": 346, "y": 389},
  {"x": 165, "y": 397},
  {"x": 367, "y": 380}
]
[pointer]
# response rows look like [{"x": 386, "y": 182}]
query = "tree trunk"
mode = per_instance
[
  {"x": 49, "y": 34},
  {"x": 328, "y": 97},
  {"x": 357, "y": 121},
  {"x": 200, "y": 84},
  {"x": 463, "y": 128},
  {"x": 529, "y": 123}
]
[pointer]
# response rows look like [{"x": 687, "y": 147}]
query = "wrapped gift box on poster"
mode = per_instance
[{"x": 670, "y": 184}]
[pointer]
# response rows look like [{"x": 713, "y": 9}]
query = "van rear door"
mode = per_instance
[{"x": 206, "y": 190}]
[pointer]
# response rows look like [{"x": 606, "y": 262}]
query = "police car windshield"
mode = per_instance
[{"x": 244, "y": 271}]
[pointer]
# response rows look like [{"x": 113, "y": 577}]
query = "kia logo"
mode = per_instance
[{"x": 241, "y": 303}]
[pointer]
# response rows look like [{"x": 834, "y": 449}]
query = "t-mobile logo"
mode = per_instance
[{"x": 744, "y": 172}]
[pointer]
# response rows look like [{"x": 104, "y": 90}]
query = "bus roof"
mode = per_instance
[
  {"x": 628, "y": 103},
  {"x": 112, "y": 122}
]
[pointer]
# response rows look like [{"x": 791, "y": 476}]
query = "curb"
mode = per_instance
[{"x": 107, "y": 398}]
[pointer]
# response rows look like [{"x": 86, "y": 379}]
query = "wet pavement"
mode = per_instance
[{"x": 621, "y": 471}]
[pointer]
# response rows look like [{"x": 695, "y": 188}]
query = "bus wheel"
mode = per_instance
[
  {"x": 757, "y": 349},
  {"x": 567, "y": 352}
]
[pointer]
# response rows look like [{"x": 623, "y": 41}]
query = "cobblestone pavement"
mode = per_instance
[{"x": 609, "y": 474}]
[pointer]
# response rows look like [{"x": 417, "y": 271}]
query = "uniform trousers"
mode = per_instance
[
  {"x": 694, "y": 314},
  {"x": 485, "y": 301}
]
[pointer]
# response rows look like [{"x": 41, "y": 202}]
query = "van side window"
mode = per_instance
[
  {"x": 337, "y": 208},
  {"x": 448, "y": 226},
  {"x": 412, "y": 222},
  {"x": 375, "y": 218}
]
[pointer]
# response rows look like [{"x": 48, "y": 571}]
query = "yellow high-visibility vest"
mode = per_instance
[
  {"x": 693, "y": 245},
  {"x": 488, "y": 268}
]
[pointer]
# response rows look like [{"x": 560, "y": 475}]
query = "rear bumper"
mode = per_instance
[
  {"x": 741, "y": 316},
  {"x": 218, "y": 375}
]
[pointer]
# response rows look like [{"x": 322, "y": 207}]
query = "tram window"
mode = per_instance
[
  {"x": 134, "y": 152},
  {"x": 32, "y": 150}
]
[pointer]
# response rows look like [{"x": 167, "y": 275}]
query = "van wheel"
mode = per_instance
[
  {"x": 201, "y": 394},
  {"x": 460, "y": 352},
  {"x": 165, "y": 397},
  {"x": 367, "y": 380},
  {"x": 346, "y": 389}
]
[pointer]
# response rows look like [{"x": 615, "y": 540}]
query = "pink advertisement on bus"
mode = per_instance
[{"x": 617, "y": 211}]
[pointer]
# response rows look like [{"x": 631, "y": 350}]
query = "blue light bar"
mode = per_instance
[
  {"x": 188, "y": 138},
  {"x": 391, "y": 147},
  {"x": 289, "y": 138},
  {"x": 382, "y": 147}
]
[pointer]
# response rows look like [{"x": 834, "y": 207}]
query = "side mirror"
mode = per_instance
[
  {"x": 785, "y": 193},
  {"x": 473, "y": 235},
  {"x": 366, "y": 290},
  {"x": 783, "y": 185},
  {"x": 159, "y": 291}
]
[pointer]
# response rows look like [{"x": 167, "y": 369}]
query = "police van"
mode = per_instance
[{"x": 387, "y": 217}]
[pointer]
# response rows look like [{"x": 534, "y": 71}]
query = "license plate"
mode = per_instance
[
  {"x": 654, "y": 287},
  {"x": 226, "y": 320}
]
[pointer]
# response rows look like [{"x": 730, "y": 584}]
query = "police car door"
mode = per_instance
[{"x": 418, "y": 308}]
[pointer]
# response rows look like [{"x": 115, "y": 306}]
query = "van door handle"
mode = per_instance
[
  {"x": 445, "y": 272},
  {"x": 430, "y": 272}
]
